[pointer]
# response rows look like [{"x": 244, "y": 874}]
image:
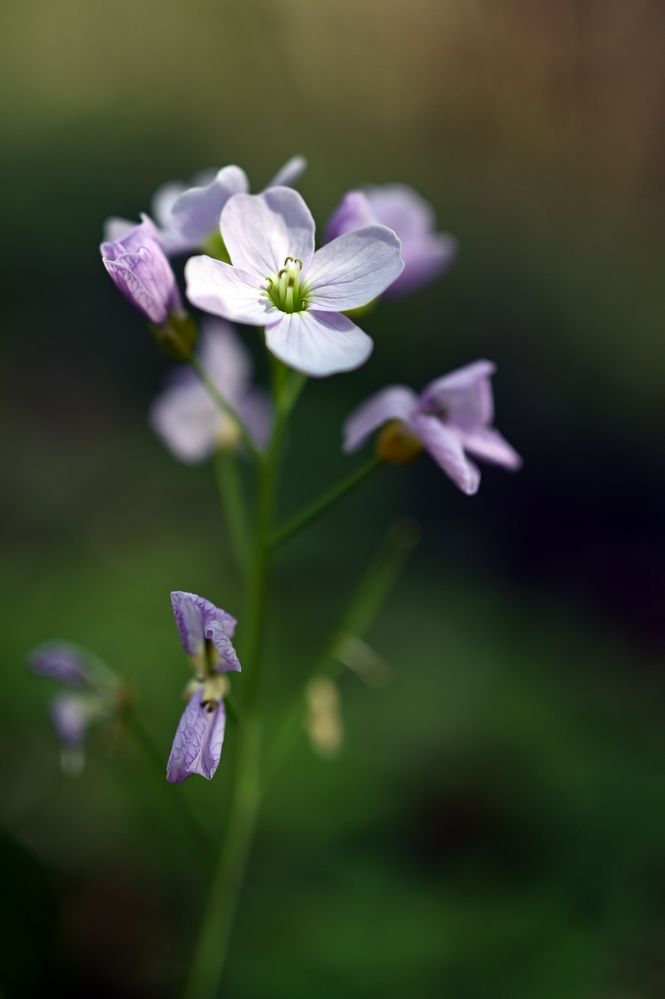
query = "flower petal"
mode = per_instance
[
  {"x": 397, "y": 402},
  {"x": 353, "y": 212},
  {"x": 402, "y": 208},
  {"x": 217, "y": 633},
  {"x": 196, "y": 213},
  {"x": 194, "y": 616},
  {"x": 261, "y": 230},
  {"x": 318, "y": 343},
  {"x": 489, "y": 445},
  {"x": 187, "y": 420},
  {"x": 70, "y": 715},
  {"x": 58, "y": 661},
  {"x": 446, "y": 449},
  {"x": 197, "y": 746},
  {"x": 228, "y": 291},
  {"x": 292, "y": 171},
  {"x": 465, "y": 395},
  {"x": 425, "y": 260},
  {"x": 353, "y": 269}
]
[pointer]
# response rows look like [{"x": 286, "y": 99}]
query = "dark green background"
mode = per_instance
[{"x": 495, "y": 824}]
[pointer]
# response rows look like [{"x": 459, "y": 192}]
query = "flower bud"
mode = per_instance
[{"x": 140, "y": 270}]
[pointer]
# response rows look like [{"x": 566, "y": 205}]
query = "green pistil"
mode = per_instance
[{"x": 286, "y": 290}]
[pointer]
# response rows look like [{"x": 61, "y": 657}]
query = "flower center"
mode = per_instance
[{"x": 286, "y": 289}]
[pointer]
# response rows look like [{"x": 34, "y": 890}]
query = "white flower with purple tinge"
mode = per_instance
[
  {"x": 205, "y": 633},
  {"x": 187, "y": 215},
  {"x": 138, "y": 266},
  {"x": 189, "y": 421},
  {"x": 450, "y": 419},
  {"x": 277, "y": 280},
  {"x": 427, "y": 254}
]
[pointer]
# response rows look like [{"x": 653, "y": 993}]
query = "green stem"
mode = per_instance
[
  {"x": 324, "y": 503},
  {"x": 225, "y": 406},
  {"x": 229, "y": 484},
  {"x": 213, "y": 943}
]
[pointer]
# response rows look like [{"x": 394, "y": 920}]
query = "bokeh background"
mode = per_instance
[{"x": 494, "y": 825}]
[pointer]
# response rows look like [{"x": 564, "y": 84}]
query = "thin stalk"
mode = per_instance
[
  {"x": 225, "y": 406},
  {"x": 227, "y": 473},
  {"x": 325, "y": 502},
  {"x": 213, "y": 943}
]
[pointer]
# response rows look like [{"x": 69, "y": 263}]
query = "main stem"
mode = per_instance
[{"x": 213, "y": 943}]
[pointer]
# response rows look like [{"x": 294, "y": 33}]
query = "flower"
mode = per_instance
[
  {"x": 98, "y": 696},
  {"x": 140, "y": 270},
  {"x": 187, "y": 215},
  {"x": 187, "y": 419},
  {"x": 205, "y": 633},
  {"x": 427, "y": 254},
  {"x": 450, "y": 418},
  {"x": 278, "y": 281}
]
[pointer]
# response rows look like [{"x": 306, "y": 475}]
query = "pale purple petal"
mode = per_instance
[
  {"x": 164, "y": 199},
  {"x": 61, "y": 662},
  {"x": 139, "y": 268},
  {"x": 318, "y": 343},
  {"x": 464, "y": 397},
  {"x": 70, "y": 715},
  {"x": 225, "y": 359},
  {"x": 195, "y": 616},
  {"x": 445, "y": 447},
  {"x": 197, "y": 746},
  {"x": 116, "y": 228},
  {"x": 217, "y": 633},
  {"x": 196, "y": 213},
  {"x": 187, "y": 420},
  {"x": 393, "y": 403},
  {"x": 489, "y": 445},
  {"x": 425, "y": 260},
  {"x": 255, "y": 411},
  {"x": 292, "y": 171},
  {"x": 261, "y": 230},
  {"x": 228, "y": 291},
  {"x": 353, "y": 212},
  {"x": 401, "y": 208},
  {"x": 353, "y": 269}
]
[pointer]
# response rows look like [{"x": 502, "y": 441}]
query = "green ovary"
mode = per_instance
[{"x": 286, "y": 290}]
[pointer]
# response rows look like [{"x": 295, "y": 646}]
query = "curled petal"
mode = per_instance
[
  {"x": 197, "y": 746},
  {"x": 292, "y": 171},
  {"x": 261, "y": 230},
  {"x": 445, "y": 447},
  {"x": 318, "y": 343},
  {"x": 397, "y": 402},
  {"x": 228, "y": 292},
  {"x": 465, "y": 395},
  {"x": 195, "y": 616},
  {"x": 354, "y": 269}
]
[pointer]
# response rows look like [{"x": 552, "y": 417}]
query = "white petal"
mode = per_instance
[
  {"x": 318, "y": 343},
  {"x": 292, "y": 171},
  {"x": 353, "y": 269},
  {"x": 227, "y": 291},
  {"x": 261, "y": 230},
  {"x": 397, "y": 402}
]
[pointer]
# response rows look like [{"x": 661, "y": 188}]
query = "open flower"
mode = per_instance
[
  {"x": 97, "y": 696},
  {"x": 205, "y": 633},
  {"x": 427, "y": 254},
  {"x": 188, "y": 214},
  {"x": 138, "y": 266},
  {"x": 278, "y": 281},
  {"x": 451, "y": 418},
  {"x": 190, "y": 422}
]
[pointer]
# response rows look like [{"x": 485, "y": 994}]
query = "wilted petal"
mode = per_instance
[
  {"x": 227, "y": 291},
  {"x": 489, "y": 445},
  {"x": 61, "y": 662},
  {"x": 194, "y": 617},
  {"x": 197, "y": 746},
  {"x": 393, "y": 403},
  {"x": 353, "y": 212},
  {"x": 353, "y": 269},
  {"x": 196, "y": 213},
  {"x": 318, "y": 343},
  {"x": 292, "y": 171},
  {"x": 445, "y": 447},
  {"x": 261, "y": 230},
  {"x": 464, "y": 396}
]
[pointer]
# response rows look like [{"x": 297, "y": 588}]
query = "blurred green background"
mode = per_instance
[{"x": 494, "y": 825}]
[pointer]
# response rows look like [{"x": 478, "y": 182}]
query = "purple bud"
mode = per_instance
[{"x": 140, "y": 269}]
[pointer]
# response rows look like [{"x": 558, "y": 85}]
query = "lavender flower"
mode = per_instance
[
  {"x": 427, "y": 254},
  {"x": 189, "y": 421},
  {"x": 140, "y": 270},
  {"x": 450, "y": 418},
  {"x": 187, "y": 215},
  {"x": 65, "y": 663},
  {"x": 205, "y": 633},
  {"x": 278, "y": 281}
]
